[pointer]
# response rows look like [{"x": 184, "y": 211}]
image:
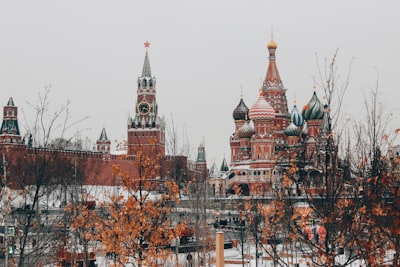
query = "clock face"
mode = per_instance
[{"x": 143, "y": 108}]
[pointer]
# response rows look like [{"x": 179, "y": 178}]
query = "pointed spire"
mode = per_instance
[
  {"x": 146, "y": 66},
  {"x": 103, "y": 135},
  {"x": 272, "y": 78},
  {"x": 224, "y": 166},
  {"x": 214, "y": 172},
  {"x": 10, "y": 102}
]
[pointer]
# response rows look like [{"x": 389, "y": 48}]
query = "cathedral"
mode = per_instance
[{"x": 267, "y": 137}]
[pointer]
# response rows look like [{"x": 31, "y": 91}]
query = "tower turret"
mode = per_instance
[
  {"x": 103, "y": 143},
  {"x": 313, "y": 113},
  {"x": 275, "y": 93},
  {"x": 240, "y": 115},
  {"x": 263, "y": 141},
  {"x": 201, "y": 163},
  {"x": 9, "y": 132},
  {"x": 146, "y": 129}
]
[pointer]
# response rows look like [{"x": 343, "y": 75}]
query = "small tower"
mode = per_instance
[
  {"x": 9, "y": 132},
  {"x": 313, "y": 113},
  {"x": 216, "y": 181},
  {"x": 224, "y": 166},
  {"x": 103, "y": 144},
  {"x": 275, "y": 93},
  {"x": 295, "y": 128},
  {"x": 263, "y": 142},
  {"x": 240, "y": 115},
  {"x": 201, "y": 163}
]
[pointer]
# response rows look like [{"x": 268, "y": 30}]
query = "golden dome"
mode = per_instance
[{"x": 272, "y": 44}]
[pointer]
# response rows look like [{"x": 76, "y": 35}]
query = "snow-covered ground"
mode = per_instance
[{"x": 233, "y": 259}]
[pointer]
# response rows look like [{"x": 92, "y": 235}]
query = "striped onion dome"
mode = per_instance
[
  {"x": 314, "y": 110},
  {"x": 246, "y": 131},
  {"x": 292, "y": 130},
  {"x": 261, "y": 109},
  {"x": 296, "y": 117},
  {"x": 240, "y": 112}
]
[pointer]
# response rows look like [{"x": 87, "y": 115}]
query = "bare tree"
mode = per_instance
[
  {"x": 378, "y": 185},
  {"x": 38, "y": 168}
]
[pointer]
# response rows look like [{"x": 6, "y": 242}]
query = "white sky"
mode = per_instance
[{"x": 201, "y": 52}]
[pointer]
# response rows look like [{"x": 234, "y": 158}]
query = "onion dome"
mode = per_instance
[
  {"x": 292, "y": 130},
  {"x": 296, "y": 117},
  {"x": 240, "y": 112},
  {"x": 246, "y": 131},
  {"x": 261, "y": 109},
  {"x": 272, "y": 44},
  {"x": 314, "y": 110}
]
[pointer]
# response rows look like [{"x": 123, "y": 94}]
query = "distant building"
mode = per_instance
[
  {"x": 145, "y": 133},
  {"x": 266, "y": 136}
]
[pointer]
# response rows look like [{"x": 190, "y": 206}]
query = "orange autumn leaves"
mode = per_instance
[{"x": 134, "y": 226}]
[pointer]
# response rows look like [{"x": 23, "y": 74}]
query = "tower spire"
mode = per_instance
[
  {"x": 272, "y": 78},
  {"x": 146, "y": 66}
]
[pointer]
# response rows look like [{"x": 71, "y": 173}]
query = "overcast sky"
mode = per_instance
[{"x": 91, "y": 52}]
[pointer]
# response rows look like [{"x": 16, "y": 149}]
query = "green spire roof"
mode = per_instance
[
  {"x": 10, "y": 102},
  {"x": 103, "y": 135},
  {"x": 146, "y": 66},
  {"x": 201, "y": 154}
]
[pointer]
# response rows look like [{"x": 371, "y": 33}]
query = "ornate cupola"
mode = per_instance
[
  {"x": 272, "y": 78},
  {"x": 313, "y": 110},
  {"x": 240, "y": 115},
  {"x": 146, "y": 128},
  {"x": 241, "y": 111},
  {"x": 292, "y": 130},
  {"x": 296, "y": 125},
  {"x": 295, "y": 117},
  {"x": 9, "y": 132},
  {"x": 275, "y": 93},
  {"x": 313, "y": 113},
  {"x": 246, "y": 131},
  {"x": 263, "y": 141},
  {"x": 261, "y": 110}
]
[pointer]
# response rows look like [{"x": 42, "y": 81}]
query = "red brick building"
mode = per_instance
[
  {"x": 266, "y": 135},
  {"x": 145, "y": 134}
]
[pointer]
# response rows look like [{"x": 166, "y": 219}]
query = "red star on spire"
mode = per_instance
[{"x": 147, "y": 44}]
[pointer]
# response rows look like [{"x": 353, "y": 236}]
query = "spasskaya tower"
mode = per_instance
[{"x": 146, "y": 131}]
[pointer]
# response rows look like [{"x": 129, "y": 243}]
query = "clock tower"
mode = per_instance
[{"x": 146, "y": 131}]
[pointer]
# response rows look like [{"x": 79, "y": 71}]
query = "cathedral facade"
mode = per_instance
[{"x": 267, "y": 137}]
